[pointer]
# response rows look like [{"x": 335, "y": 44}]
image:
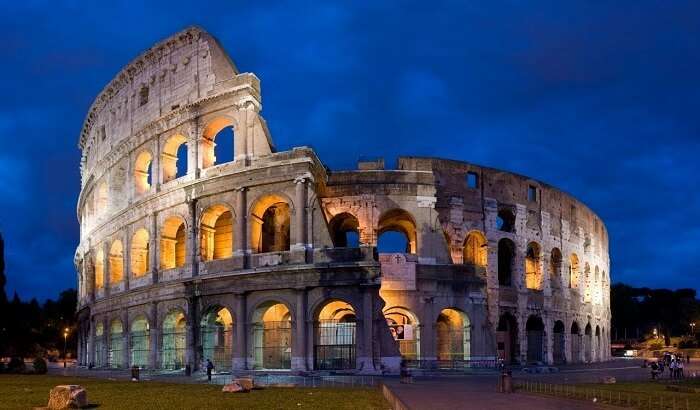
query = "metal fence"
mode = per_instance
[
  {"x": 334, "y": 346},
  {"x": 140, "y": 348},
  {"x": 453, "y": 365},
  {"x": 216, "y": 346}
]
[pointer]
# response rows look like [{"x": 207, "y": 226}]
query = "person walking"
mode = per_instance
[
  {"x": 673, "y": 368},
  {"x": 210, "y": 367},
  {"x": 680, "y": 369},
  {"x": 654, "y": 370}
]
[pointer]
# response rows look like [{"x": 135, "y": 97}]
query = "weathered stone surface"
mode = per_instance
[
  {"x": 233, "y": 387},
  {"x": 246, "y": 383},
  {"x": 67, "y": 397}
]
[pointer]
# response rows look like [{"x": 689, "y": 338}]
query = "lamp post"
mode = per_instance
[
  {"x": 65, "y": 341},
  {"x": 692, "y": 328}
]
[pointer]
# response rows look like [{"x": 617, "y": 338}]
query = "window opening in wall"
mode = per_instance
[
  {"x": 344, "y": 230},
  {"x": 181, "y": 161},
  {"x": 103, "y": 133},
  {"x": 472, "y": 180},
  {"x": 506, "y": 250},
  {"x": 396, "y": 233},
  {"x": 532, "y": 193},
  {"x": 505, "y": 220},
  {"x": 143, "y": 96},
  {"x": 223, "y": 151}
]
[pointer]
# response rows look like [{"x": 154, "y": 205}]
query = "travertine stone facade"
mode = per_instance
[{"x": 252, "y": 262}]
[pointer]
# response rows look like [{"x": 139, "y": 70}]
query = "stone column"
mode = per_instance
[
  {"x": 299, "y": 343},
  {"x": 300, "y": 194},
  {"x": 91, "y": 343},
  {"x": 194, "y": 238},
  {"x": 240, "y": 237},
  {"x": 153, "y": 337},
  {"x": 191, "y": 332},
  {"x": 106, "y": 280},
  {"x": 154, "y": 251},
  {"x": 549, "y": 340},
  {"x": 364, "y": 340},
  {"x": 240, "y": 148},
  {"x": 126, "y": 352},
  {"x": 126, "y": 255},
  {"x": 107, "y": 342},
  {"x": 240, "y": 347}
]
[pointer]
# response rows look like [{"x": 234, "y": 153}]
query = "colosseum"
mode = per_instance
[{"x": 266, "y": 260}]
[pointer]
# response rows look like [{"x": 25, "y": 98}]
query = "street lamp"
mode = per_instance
[
  {"x": 65, "y": 340},
  {"x": 692, "y": 328}
]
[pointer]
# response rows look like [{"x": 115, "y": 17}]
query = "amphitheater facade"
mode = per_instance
[{"x": 271, "y": 261}]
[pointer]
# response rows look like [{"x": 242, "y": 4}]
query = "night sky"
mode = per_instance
[{"x": 600, "y": 99}]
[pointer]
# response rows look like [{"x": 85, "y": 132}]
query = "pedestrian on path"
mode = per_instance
[{"x": 210, "y": 367}]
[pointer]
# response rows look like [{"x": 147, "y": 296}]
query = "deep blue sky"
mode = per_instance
[{"x": 599, "y": 98}]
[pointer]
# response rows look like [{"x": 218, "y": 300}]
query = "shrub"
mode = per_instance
[
  {"x": 39, "y": 366},
  {"x": 16, "y": 365},
  {"x": 656, "y": 346}
]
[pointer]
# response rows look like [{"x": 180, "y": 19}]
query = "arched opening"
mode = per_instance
[
  {"x": 216, "y": 231},
  {"x": 555, "y": 269},
  {"x": 575, "y": 343},
  {"x": 535, "y": 339},
  {"x": 174, "y": 158},
  {"x": 587, "y": 283},
  {"x": 217, "y": 338},
  {"x": 272, "y": 336},
  {"x": 139, "y": 253},
  {"x": 99, "y": 269},
  {"x": 334, "y": 336},
  {"x": 140, "y": 342},
  {"x": 217, "y": 142},
  {"x": 405, "y": 329},
  {"x": 573, "y": 271},
  {"x": 270, "y": 224},
  {"x": 116, "y": 262},
  {"x": 396, "y": 232},
  {"x": 506, "y": 254},
  {"x": 507, "y": 339},
  {"x": 116, "y": 344},
  {"x": 558, "y": 347},
  {"x": 102, "y": 199},
  {"x": 475, "y": 249},
  {"x": 598, "y": 347},
  {"x": 587, "y": 343},
  {"x": 173, "y": 341},
  {"x": 533, "y": 271},
  {"x": 173, "y": 243},
  {"x": 100, "y": 346},
  {"x": 453, "y": 336},
  {"x": 505, "y": 220},
  {"x": 143, "y": 172},
  {"x": 344, "y": 230}
]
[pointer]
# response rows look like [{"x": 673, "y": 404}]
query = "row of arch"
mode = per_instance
[
  {"x": 270, "y": 332},
  {"x": 580, "y": 346}
]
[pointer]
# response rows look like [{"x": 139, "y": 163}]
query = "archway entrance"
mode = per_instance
[
  {"x": 140, "y": 342},
  {"x": 535, "y": 339},
  {"x": 453, "y": 336},
  {"x": 217, "y": 338},
  {"x": 405, "y": 329},
  {"x": 272, "y": 336},
  {"x": 116, "y": 344},
  {"x": 558, "y": 346},
  {"x": 507, "y": 339},
  {"x": 587, "y": 343},
  {"x": 598, "y": 349},
  {"x": 575, "y": 343},
  {"x": 174, "y": 335},
  {"x": 100, "y": 347},
  {"x": 334, "y": 337}
]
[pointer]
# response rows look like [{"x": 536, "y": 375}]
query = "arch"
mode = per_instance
[
  {"x": 99, "y": 268},
  {"x": 559, "y": 342},
  {"x": 140, "y": 341},
  {"x": 555, "y": 261},
  {"x": 398, "y": 220},
  {"x": 100, "y": 346},
  {"x": 505, "y": 220},
  {"x": 216, "y": 233},
  {"x": 102, "y": 199},
  {"x": 270, "y": 224},
  {"x": 142, "y": 172},
  {"x": 334, "y": 336},
  {"x": 573, "y": 271},
  {"x": 533, "y": 270},
  {"x": 208, "y": 142},
  {"x": 116, "y": 344},
  {"x": 272, "y": 336},
  {"x": 507, "y": 338},
  {"x": 535, "y": 339},
  {"x": 217, "y": 337},
  {"x": 506, "y": 256},
  {"x": 173, "y": 243},
  {"x": 588, "y": 343},
  {"x": 575, "y": 343},
  {"x": 173, "y": 163},
  {"x": 453, "y": 341},
  {"x": 598, "y": 348},
  {"x": 173, "y": 340},
  {"x": 344, "y": 230},
  {"x": 116, "y": 262},
  {"x": 475, "y": 249},
  {"x": 405, "y": 329},
  {"x": 140, "y": 253}
]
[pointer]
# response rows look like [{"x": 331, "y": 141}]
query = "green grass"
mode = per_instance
[
  {"x": 26, "y": 391},
  {"x": 638, "y": 395}
]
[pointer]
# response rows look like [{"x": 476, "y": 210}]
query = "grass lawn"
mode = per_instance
[
  {"x": 639, "y": 395},
  {"x": 25, "y": 392}
]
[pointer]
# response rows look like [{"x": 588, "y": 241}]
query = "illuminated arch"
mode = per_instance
[
  {"x": 270, "y": 224},
  {"x": 272, "y": 336},
  {"x": 453, "y": 341},
  {"x": 399, "y": 220},
  {"x": 140, "y": 341},
  {"x": 344, "y": 230},
  {"x": 216, "y": 233},
  {"x": 334, "y": 336},
  {"x": 169, "y": 158},
  {"x": 208, "y": 142},
  {"x": 140, "y": 253},
  {"x": 555, "y": 262},
  {"x": 116, "y": 344},
  {"x": 217, "y": 337},
  {"x": 475, "y": 249},
  {"x": 142, "y": 172},
  {"x": 99, "y": 269},
  {"x": 173, "y": 243},
  {"x": 533, "y": 270},
  {"x": 405, "y": 329},
  {"x": 574, "y": 272},
  {"x": 173, "y": 340},
  {"x": 116, "y": 262}
]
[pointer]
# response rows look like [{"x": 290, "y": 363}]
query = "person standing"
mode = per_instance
[
  {"x": 680, "y": 369},
  {"x": 210, "y": 367}
]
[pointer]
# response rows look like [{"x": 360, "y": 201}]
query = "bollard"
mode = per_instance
[{"x": 135, "y": 373}]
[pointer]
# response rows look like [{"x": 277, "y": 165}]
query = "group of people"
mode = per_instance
[{"x": 675, "y": 365}]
